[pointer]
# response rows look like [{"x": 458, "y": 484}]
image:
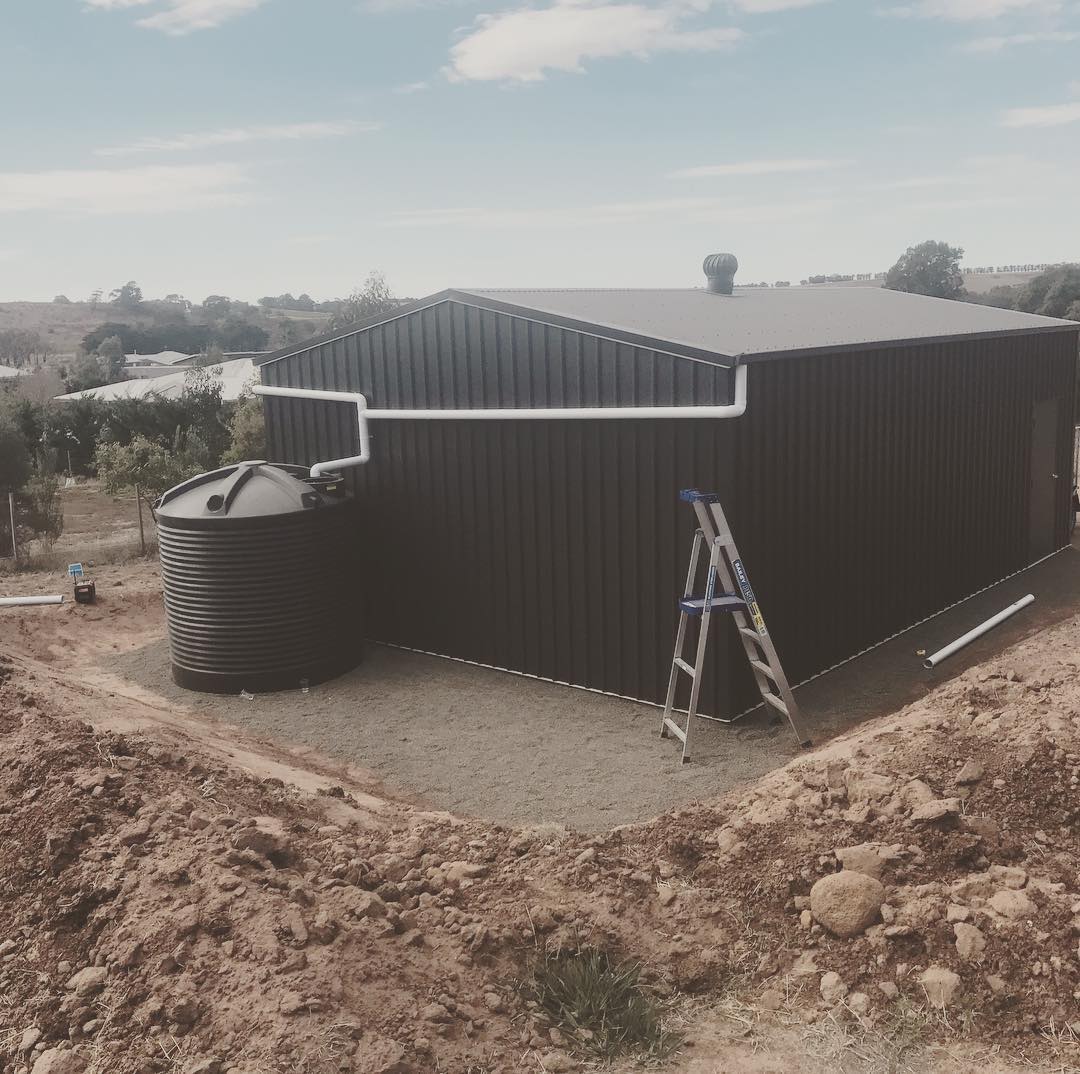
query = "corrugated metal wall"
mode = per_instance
[{"x": 866, "y": 490}]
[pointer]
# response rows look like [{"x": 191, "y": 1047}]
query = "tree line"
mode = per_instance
[
  {"x": 151, "y": 443},
  {"x": 933, "y": 268}
]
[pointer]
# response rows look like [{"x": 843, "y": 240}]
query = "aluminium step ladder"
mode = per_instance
[{"x": 725, "y": 567}]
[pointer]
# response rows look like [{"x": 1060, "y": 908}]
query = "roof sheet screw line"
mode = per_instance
[{"x": 364, "y": 414}]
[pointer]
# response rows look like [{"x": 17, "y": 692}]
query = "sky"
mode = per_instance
[{"x": 254, "y": 147}]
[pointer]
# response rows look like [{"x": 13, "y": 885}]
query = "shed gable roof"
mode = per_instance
[
  {"x": 765, "y": 322},
  {"x": 753, "y": 324}
]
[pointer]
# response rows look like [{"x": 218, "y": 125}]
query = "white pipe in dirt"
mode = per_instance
[
  {"x": 364, "y": 414},
  {"x": 15, "y": 602},
  {"x": 934, "y": 659}
]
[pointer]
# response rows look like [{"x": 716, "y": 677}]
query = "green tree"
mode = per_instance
[
  {"x": 247, "y": 433},
  {"x": 151, "y": 467},
  {"x": 931, "y": 268},
  {"x": 62, "y": 300},
  {"x": 110, "y": 355},
  {"x": 84, "y": 373},
  {"x": 216, "y": 305},
  {"x": 15, "y": 461},
  {"x": 369, "y": 300},
  {"x": 127, "y": 296},
  {"x": 39, "y": 510},
  {"x": 18, "y": 346},
  {"x": 1051, "y": 293}
]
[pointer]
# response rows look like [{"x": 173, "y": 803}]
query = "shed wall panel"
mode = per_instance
[{"x": 866, "y": 490}]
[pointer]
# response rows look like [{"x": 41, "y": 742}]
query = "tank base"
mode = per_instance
[{"x": 267, "y": 682}]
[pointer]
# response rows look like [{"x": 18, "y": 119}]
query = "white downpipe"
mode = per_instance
[
  {"x": 955, "y": 646},
  {"x": 364, "y": 414},
  {"x": 357, "y": 400},
  {"x": 15, "y": 602}
]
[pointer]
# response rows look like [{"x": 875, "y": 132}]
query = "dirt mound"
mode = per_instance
[{"x": 160, "y": 911}]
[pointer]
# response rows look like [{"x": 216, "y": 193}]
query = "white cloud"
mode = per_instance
[
  {"x": 973, "y": 10},
  {"x": 757, "y": 167},
  {"x": 122, "y": 191},
  {"x": 761, "y": 7},
  {"x": 704, "y": 210},
  {"x": 411, "y": 87},
  {"x": 1051, "y": 115},
  {"x": 181, "y": 16},
  {"x": 919, "y": 182},
  {"x": 998, "y": 44},
  {"x": 523, "y": 45},
  {"x": 290, "y": 132}
]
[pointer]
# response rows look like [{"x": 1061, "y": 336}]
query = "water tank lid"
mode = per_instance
[{"x": 246, "y": 490}]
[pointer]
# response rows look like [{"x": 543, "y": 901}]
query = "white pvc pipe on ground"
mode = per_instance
[
  {"x": 15, "y": 602},
  {"x": 955, "y": 646}
]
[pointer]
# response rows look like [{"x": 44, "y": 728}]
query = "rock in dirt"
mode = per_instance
[
  {"x": 846, "y": 903},
  {"x": 936, "y": 809},
  {"x": 868, "y": 858},
  {"x": 832, "y": 988},
  {"x": 970, "y": 942},
  {"x": 1011, "y": 904},
  {"x": 55, "y": 1061},
  {"x": 204, "y": 1066},
  {"x": 971, "y": 772},
  {"x": 89, "y": 981},
  {"x": 380, "y": 1055},
  {"x": 133, "y": 834},
  {"x": 265, "y": 837},
  {"x": 940, "y": 985}
]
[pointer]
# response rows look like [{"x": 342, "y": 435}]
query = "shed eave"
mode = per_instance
[{"x": 889, "y": 344}]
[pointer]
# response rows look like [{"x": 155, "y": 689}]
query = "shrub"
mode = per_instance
[{"x": 600, "y": 1005}]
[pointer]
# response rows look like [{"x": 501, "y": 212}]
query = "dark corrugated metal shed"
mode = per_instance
[{"x": 873, "y": 479}]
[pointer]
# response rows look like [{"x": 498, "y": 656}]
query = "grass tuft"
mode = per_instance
[{"x": 600, "y": 1006}]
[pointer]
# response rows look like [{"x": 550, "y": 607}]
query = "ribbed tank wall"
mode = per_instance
[{"x": 262, "y": 606}]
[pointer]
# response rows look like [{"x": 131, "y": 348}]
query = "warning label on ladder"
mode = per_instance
[{"x": 748, "y": 597}]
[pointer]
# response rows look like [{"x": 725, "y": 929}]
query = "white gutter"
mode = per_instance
[
  {"x": 955, "y": 646},
  {"x": 364, "y": 414}
]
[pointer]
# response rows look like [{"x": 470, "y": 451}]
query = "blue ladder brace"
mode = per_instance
[{"x": 725, "y": 567}]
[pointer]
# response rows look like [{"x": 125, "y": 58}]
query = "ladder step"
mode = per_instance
[
  {"x": 688, "y": 668},
  {"x": 757, "y": 665},
  {"x": 722, "y": 602},
  {"x": 676, "y": 730},
  {"x": 753, "y": 635},
  {"x": 772, "y": 699}
]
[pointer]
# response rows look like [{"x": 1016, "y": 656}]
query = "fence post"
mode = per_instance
[
  {"x": 11, "y": 513},
  {"x": 142, "y": 536}
]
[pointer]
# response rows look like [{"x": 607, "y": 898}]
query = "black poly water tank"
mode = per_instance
[{"x": 260, "y": 575}]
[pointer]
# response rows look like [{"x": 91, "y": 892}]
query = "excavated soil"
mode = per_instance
[{"x": 174, "y": 898}]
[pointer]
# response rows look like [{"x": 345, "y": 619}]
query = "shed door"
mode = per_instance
[{"x": 1045, "y": 481}]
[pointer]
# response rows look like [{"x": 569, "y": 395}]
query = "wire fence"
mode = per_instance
[{"x": 29, "y": 542}]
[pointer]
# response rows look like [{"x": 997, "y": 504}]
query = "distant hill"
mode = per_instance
[
  {"x": 62, "y": 325},
  {"x": 976, "y": 282}
]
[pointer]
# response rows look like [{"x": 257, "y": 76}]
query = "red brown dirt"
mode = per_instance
[{"x": 242, "y": 910}]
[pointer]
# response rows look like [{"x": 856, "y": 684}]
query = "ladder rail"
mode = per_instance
[{"x": 725, "y": 567}]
